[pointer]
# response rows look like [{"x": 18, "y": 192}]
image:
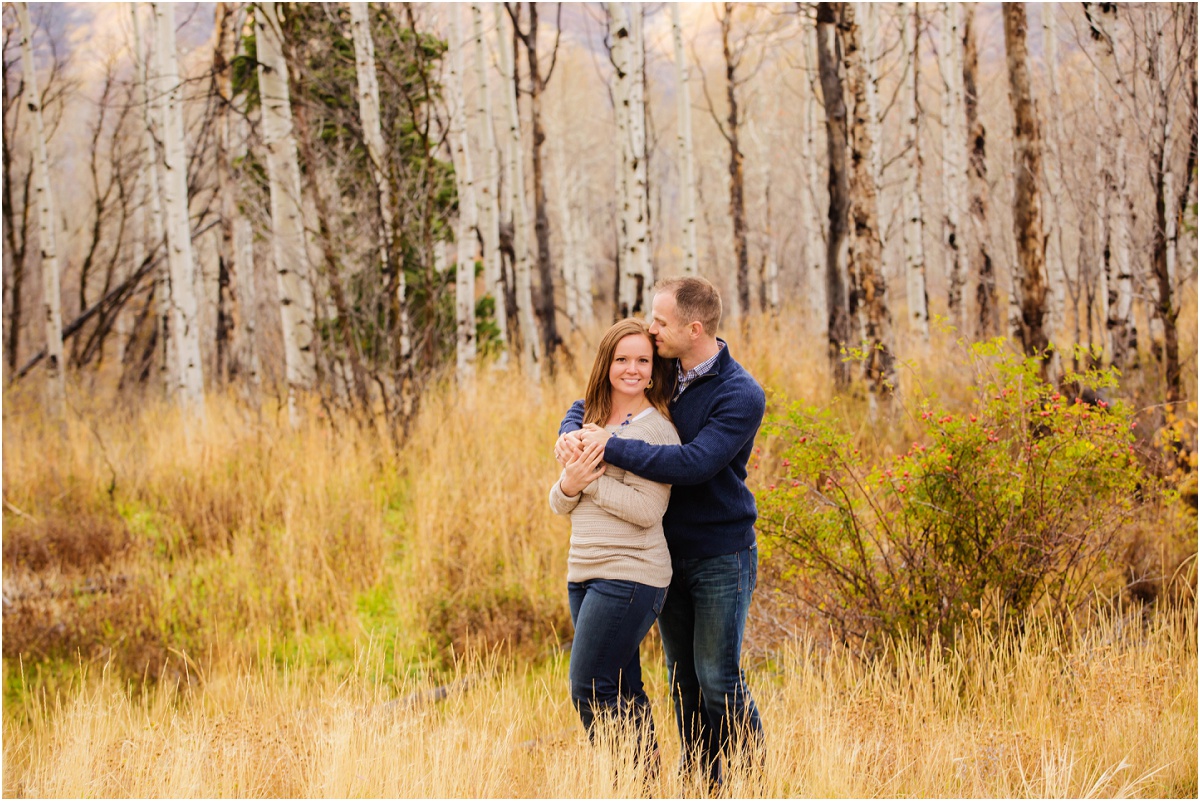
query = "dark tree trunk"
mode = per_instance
[
  {"x": 979, "y": 257},
  {"x": 839, "y": 189},
  {"x": 1027, "y": 199},
  {"x": 737, "y": 203},
  {"x": 865, "y": 261}
]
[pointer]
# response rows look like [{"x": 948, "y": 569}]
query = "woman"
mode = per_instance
[{"x": 619, "y": 567}]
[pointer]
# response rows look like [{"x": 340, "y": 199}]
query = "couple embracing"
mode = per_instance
[{"x": 662, "y": 526}]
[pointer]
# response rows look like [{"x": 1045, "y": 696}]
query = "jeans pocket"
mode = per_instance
[{"x": 660, "y": 600}]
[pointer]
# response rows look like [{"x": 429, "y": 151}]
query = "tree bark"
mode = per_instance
[
  {"x": 47, "y": 227},
  {"x": 537, "y": 87},
  {"x": 1027, "y": 199},
  {"x": 810, "y": 220},
  {"x": 464, "y": 178},
  {"x": 1056, "y": 268},
  {"x": 181, "y": 258},
  {"x": 516, "y": 188},
  {"x": 287, "y": 222},
  {"x": 865, "y": 262},
  {"x": 228, "y": 316},
  {"x": 687, "y": 151},
  {"x": 737, "y": 190},
  {"x": 488, "y": 186},
  {"x": 914, "y": 213},
  {"x": 979, "y": 257},
  {"x": 839, "y": 190},
  {"x": 953, "y": 162},
  {"x": 1121, "y": 325}
]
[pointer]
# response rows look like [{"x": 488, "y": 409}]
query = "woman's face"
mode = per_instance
[{"x": 633, "y": 362}]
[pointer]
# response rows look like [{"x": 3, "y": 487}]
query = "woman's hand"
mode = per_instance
[{"x": 582, "y": 469}]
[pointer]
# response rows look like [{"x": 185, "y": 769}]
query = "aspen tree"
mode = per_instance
[
  {"x": 737, "y": 181},
  {"x": 1103, "y": 235},
  {"x": 953, "y": 161},
  {"x": 1027, "y": 200},
  {"x": 464, "y": 179},
  {"x": 865, "y": 262},
  {"x": 287, "y": 224},
  {"x": 181, "y": 258},
  {"x": 228, "y": 313},
  {"x": 47, "y": 226},
  {"x": 810, "y": 220},
  {"x": 516, "y": 189},
  {"x": 167, "y": 367},
  {"x": 839, "y": 191},
  {"x": 544, "y": 300},
  {"x": 1121, "y": 324},
  {"x": 1056, "y": 269},
  {"x": 368, "y": 109},
  {"x": 1165, "y": 311},
  {"x": 489, "y": 188},
  {"x": 979, "y": 257},
  {"x": 687, "y": 154},
  {"x": 643, "y": 242},
  {"x": 626, "y": 91},
  {"x": 914, "y": 215}
]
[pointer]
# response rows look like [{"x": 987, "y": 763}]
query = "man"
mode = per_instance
[{"x": 709, "y": 523}]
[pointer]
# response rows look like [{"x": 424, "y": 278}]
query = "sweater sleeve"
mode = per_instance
[
  {"x": 633, "y": 499},
  {"x": 733, "y": 422},
  {"x": 560, "y": 503},
  {"x": 573, "y": 420}
]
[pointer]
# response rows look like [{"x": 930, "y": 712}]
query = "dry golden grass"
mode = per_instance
[
  {"x": 1052, "y": 713},
  {"x": 245, "y": 610}
]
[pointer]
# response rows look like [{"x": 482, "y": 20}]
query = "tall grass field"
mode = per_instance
[{"x": 242, "y": 609}]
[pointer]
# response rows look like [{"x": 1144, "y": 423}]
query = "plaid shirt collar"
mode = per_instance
[{"x": 703, "y": 368}]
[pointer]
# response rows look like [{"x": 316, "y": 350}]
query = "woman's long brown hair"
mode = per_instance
[{"x": 597, "y": 401}]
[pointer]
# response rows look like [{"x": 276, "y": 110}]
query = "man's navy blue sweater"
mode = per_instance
[{"x": 711, "y": 512}]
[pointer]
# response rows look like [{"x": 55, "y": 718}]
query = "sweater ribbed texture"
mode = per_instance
[{"x": 616, "y": 522}]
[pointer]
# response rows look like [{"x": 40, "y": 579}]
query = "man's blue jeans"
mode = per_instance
[
  {"x": 611, "y": 619},
  {"x": 702, "y": 624}
]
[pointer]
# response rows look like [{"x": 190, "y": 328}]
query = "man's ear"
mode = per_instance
[{"x": 695, "y": 329}]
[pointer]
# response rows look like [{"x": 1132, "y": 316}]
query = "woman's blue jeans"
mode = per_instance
[
  {"x": 611, "y": 618},
  {"x": 702, "y": 625}
]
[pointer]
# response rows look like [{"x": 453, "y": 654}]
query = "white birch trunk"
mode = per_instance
[
  {"x": 1163, "y": 151},
  {"x": 288, "y": 241},
  {"x": 520, "y": 212},
  {"x": 181, "y": 258},
  {"x": 368, "y": 109},
  {"x": 1103, "y": 229},
  {"x": 617, "y": 23},
  {"x": 150, "y": 102},
  {"x": 488, "y": 188},
  {"x": 687, "y": 153},
  {"x": 1120, "y": 324},
  {"x": 243, "y": 250},
  {"x": 869, "y": 26},
  {"x": 642, "y": 240},
  {"x": 464, "y": 179},
  {"x": 812, "y": 235},
  {"x": 47, "y": 227},
  {"x": 1056, "y": 268},
  {"x": 629, "y": 96},
  {"x": 954, "y": 161},
  {"x": 914, "y": 219}
]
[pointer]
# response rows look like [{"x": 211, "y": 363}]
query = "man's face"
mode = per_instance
[{"x": 671, "y": 336}]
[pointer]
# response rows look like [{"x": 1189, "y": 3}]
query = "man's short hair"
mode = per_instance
[{"x": 695, "y": 299}]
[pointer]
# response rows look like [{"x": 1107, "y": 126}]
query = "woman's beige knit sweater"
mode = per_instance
[{"x": 616, "y": 522}]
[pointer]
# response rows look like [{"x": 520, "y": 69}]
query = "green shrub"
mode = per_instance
[{"x": 1010, "y": 505}]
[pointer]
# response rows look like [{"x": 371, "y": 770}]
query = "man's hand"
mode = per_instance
[
  {"x": 592, "y": 434},
  {"x": 567, "y": 447},
  {"x": 583, "y": 468}
]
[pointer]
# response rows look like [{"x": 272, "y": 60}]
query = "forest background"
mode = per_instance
[{"x": 275, "y": 468}]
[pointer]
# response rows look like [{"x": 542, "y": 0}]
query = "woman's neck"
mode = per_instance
[{"x": 625, "y": 408}]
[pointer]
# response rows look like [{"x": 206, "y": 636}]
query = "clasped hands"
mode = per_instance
[{"x": 581, "y": 453}]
